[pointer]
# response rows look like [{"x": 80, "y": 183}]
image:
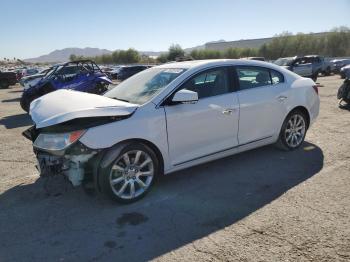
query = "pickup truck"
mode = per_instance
[
  {"x": 320, "y": 64},
  {"x": 306, "y": 66},
  {"x": 7, "y": 79},
  {"x": 297, "y": 65}
]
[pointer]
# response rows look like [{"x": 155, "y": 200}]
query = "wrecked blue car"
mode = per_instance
[{"x": 82, "y": 75}]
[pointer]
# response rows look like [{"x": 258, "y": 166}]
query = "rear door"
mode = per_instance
[
  {"x": 262, "y": 96},
  {"x": 208, "y": 126}
]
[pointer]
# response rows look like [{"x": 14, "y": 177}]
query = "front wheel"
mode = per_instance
[
  {"x": 131, "y": 174},
  {"x": 293, "y": 131}
]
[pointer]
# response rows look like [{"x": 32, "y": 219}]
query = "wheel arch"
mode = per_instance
[
  {"x": 304, "y": 110},
  {"x": 109, "y": 154}
]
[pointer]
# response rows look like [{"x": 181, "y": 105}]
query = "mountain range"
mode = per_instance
[{"x": 62, "y": 55}]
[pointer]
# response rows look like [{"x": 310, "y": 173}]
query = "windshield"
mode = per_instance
[
  {"x": 143, "y": 86},
  {"x": 283, "y": 61}
]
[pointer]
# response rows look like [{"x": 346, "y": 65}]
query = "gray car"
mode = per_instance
[{"x": 345, "y": 72}]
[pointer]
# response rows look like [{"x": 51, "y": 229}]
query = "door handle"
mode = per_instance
[
  {"x": 281, "y": 98},
  {"x": 228, "y": 111}
]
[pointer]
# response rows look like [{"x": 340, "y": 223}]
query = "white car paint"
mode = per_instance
[
  {"x": 188, "y": 134},
  {"x": 64, "y": 105}
]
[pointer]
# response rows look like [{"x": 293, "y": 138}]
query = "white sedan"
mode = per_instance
[{"x": 168, "y": 118}]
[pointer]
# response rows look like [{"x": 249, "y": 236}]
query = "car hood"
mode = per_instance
[{"x": 64, "y": 105}]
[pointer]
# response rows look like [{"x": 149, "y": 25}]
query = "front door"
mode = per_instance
[{"x": 207, "y": 127}]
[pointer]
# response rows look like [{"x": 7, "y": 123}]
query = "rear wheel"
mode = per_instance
[
  {"x": 293, "y": 131},
  {"x": 131, "y": 174}
]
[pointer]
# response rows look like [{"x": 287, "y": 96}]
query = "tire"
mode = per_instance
[
  {"x": 26, "y": 100},
  {"x": 119, "y": 178},
  {"x": 328, "y": 71},
  {"x": 25, "y": 103},
  {"x": 4, "y": 84},
  {"x": 314, "y": 76},
  {"x": 290, "y": 129}
]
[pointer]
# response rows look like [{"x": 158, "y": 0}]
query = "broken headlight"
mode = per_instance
[{"x": 57, "y": 141}]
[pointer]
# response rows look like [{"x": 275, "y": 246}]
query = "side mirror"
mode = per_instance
[{"x": 185, "y": 96}]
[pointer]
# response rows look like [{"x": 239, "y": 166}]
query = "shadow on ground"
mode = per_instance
[
  {"x": 15, "y": 121},
  {"x": 181, "y": 208},
  {"x": 17, "y": 99}
]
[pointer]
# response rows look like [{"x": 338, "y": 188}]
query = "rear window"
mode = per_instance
[
  {"x": 253, "y": 76},
  {"x": 276, "y": 77}
]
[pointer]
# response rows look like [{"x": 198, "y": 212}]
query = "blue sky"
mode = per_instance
[{"x": 36, "y": 27}]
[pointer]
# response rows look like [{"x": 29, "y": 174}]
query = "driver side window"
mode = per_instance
[{"x": 209, "y": 83}]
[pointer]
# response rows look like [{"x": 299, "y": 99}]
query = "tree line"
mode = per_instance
[{"x": 335, "y": 43}]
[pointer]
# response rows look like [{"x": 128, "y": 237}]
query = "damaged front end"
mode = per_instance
[
  {"x": 61, "y": 118},
  {"x": 60, "y": 153}
]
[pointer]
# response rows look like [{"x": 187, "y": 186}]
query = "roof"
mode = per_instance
[{"x": 214, "y": 62}]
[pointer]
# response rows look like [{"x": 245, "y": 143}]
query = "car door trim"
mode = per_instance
[{"x": 222, "y": 151}]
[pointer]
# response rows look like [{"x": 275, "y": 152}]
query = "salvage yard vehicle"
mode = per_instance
[
  {"x": 345, "y": 72},
  {"x": 7, "y": 79},
  {"x": 307, "y": 66},
  {"x": 297, "y": 66},
  {"x": 32, "y": 80},
  {"x": 344, "y": 93},
  {"x": 320, "y": 65},
  {"x": 125, "y": 72},
  {"x": 168, "y": 118},
  {"x": 339, "y": 63},
  {"x": 82, "y": 75}
]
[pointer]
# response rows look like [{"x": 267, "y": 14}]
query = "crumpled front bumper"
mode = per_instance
[
  {"x": 73, "y": 162},
  {"x": 49, "y": 165}
]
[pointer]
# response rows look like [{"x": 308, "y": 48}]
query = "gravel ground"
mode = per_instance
[{"x": 262, "y": 205}]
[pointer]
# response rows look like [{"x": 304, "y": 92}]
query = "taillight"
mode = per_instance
[{"x": 315, "y": 87}]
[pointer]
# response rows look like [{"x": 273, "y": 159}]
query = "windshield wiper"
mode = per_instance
[{"x": 124, "y": 100}]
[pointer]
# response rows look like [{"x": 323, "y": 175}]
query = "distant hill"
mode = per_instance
[
  {"x": 63, "y": 54},
  {"x": 220, "y": 45}
]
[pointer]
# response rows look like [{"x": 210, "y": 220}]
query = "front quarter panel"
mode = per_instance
[{"x": 147, "y": 123}]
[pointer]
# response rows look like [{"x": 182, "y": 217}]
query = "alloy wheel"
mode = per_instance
[
  {"x": 295, "y": 131},
  {"x": 131, "y": 174}
]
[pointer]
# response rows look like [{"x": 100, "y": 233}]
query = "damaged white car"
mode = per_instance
[{"x": 168, "y": 118}]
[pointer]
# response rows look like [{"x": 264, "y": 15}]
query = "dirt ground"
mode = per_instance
[{"x": 262, "y": 205}]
